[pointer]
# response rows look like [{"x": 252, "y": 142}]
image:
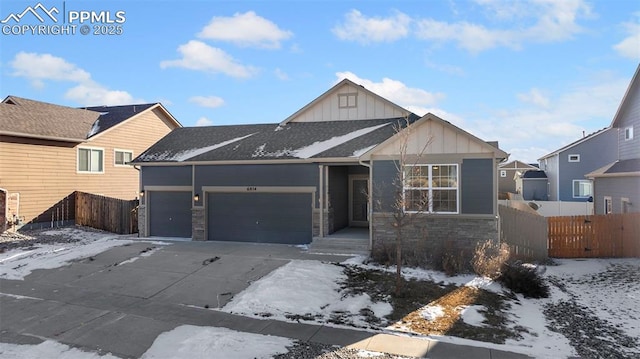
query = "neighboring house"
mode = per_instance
[
  {"x": 566, "y": 167},
  {"x": 48, "y": 151},
  {"x": 319, "y": 171},
  {"x": 617, "y": 184},
  {"x": 507, "y": 173},
  {"x": 532, "y": 185}
]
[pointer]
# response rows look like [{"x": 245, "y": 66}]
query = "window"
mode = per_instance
[
  {"x": 90, "y": 160},
  {"x": 122, "y": 157},
  {"x": 503, "y": 173},
  {"x": 625, "y": 204},
  {"x": 347, "y": 100},
  {"x": 431, "y": 188},
  {"x": 574, "y": 158},
  {"x": 582, "y": 188},
  {"x": 628, "y": 133},
  {"x": 607, "y": 205}
]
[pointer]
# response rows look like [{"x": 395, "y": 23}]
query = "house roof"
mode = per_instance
[
  {"x": 622, "y": 168},
  {"x": 575, "y": 143},
  {"x": 28, "y": 118},
  {"x": 534, "y": 174},
  {"x": 635, "y": 82},
  {"x": 294, "y": 140}
]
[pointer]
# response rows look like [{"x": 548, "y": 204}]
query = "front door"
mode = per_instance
[{"x": 359, "y": 201}]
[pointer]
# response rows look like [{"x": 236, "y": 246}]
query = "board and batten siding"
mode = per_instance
[
  {"x": 44, "y": 172},
  {"x": 367, "y": 107}
]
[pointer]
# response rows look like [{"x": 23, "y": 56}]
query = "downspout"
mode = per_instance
[
  {"x": 140, "y": 190},
  {"x": 321, "y": 200}
]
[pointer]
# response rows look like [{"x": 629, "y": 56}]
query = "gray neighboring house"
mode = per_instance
[
  {"x": 566, "y": 167},
  {"x": 507, "y": 175},
  {"x": 532, "y": 185},
  {"x": 617, "y": 184},
  {"x": 310, "y": 176}
]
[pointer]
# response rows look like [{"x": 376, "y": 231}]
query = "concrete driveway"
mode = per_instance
[{"x": 120, "y": 300}]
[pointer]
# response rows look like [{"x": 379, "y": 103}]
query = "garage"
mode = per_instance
[
  {"x": 169, "y": 213},
  {"x": 260, "y": 217}
]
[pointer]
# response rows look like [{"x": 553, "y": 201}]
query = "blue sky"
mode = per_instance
[{"x": 531, "y": 74}]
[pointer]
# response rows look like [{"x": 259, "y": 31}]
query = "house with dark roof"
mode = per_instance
[
  {"x": 49, "y": 151},
  {"x": 508, "y": 172},
  {"x": 329, "y": 172},
  {"x": 567, "y": 166},
  {"x": 617, "y": 183},
  {"x": 532, "y": 185}
]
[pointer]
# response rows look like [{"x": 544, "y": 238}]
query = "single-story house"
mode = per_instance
[
  {"x": 49, "y": 151},
  {"x": 331, "y": 165}
]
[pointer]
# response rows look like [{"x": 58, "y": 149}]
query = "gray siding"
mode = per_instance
[
  {"x": 385, "y": 186},
  {"x": 534, "y": 189},
  {"x": 476, "y": 186},
  {"x": 630, "y": 117},
  {"x": 339, "y": 196},
  {"x": 166, "y": 175},
  {"x": 287, "y": 175},
  {"x": 596, "y": 152},
  {"x": 617, "y": 188},
  {"x": 550, "y": 168}
]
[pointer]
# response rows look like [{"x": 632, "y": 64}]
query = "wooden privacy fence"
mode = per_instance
[
  {"x": 525, "y": 233},
  {"x": 106, "y": 213},
  {"x": 611, "y": 235}
]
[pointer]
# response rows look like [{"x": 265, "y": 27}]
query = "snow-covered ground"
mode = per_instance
[{"x": 608, "y": 288}]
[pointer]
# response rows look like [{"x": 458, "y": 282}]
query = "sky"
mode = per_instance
[{"x": 534, "y": 75}]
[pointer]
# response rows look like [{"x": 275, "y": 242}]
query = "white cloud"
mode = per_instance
[
  {"x": 545, "y": 21},
  {"x": 396, "y": 91},
  {"x": 246, "y": 29},
  {"x": 203, "y": 121},
  {"x": 91, "y": 93},
  {"x": 630, "y": 46},
  {"x": 196, "y": 55},
  {"x": 207, "y": 101},
  {"x": 535, "y": 97},
  {"x": 360, "y": 28},
  {"x": 281, "y": 74},
  {"x": 39, "y": 68}
]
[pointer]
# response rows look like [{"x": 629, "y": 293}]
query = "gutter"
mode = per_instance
[{"x": 42, "y": 137}]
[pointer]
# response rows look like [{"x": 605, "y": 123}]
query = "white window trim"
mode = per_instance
[
  {"x": 573, "y": 187},
  {"x": 573, "y": 155},
  {"x": 346, "y": 96},
  {"x": 503, "y": 173},
  {"x": 431, "y": 189},
  {"x": 628, "y": 130},
  {"x": 607, "y": 199},
  {"x": 114, "y": 157},
  {"x": 78, "y": 160}
]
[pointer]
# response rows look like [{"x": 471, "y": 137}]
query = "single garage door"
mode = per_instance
[
  {"x": 169, "y": 213},
  {"x": 260, "y": 217}
]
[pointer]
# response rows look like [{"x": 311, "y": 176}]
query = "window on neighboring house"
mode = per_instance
[
  {"x": 582, "y": 188},
  {"x": 608, "y": 205},
  {"x": 431, "y": 188},
  {"x": 628, "y": 133},
  {"x": 347, "y": 100},
  {"x": 625, "y": 205},
  {"x": 503, "y": 173},
  {"x": 90, "y": 160},
  {"x": 122, "y": 157},
  {"x": 574, "y": 158}
]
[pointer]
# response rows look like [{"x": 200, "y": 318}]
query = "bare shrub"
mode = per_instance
[
  {"x": 489, "y": 258},
  {"x": 524, "y": 278}
]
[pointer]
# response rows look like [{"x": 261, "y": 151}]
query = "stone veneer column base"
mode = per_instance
[
  {"x": 142, "y": 221},
  {"x": 197, "y": 224}
]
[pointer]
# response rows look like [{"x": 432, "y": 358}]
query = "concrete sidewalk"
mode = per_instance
[{"x": 101, "y": 306}]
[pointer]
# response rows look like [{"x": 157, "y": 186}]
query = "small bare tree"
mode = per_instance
[{"x": 405, "y": 207}]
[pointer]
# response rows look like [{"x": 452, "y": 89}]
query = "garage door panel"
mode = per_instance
[
  {"x": 260, "y": 217},
  {"x": 169, "y": 213}
]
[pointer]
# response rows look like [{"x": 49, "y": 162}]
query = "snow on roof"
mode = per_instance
[
  {"x": 362, "y": 151},
  {"x": 94, "y": 129},
  {"x": 190, "y": 153},
  {"x": 321, "y": 146}
]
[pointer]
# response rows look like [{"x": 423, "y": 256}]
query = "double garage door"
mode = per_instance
[
  {"x": 260, "y": 217},
  {"x": 239, "y": 217}
]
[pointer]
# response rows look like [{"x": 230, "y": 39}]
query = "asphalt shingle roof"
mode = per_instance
[
  {"x": 113, "y": 115},
  {"x": 625, "y": 166},
  {"x": 294, "y": 140}
]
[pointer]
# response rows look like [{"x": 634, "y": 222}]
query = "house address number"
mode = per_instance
[{"x": 252, "y": 189}]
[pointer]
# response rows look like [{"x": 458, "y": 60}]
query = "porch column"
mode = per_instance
[{"x": 321, "y": 169}]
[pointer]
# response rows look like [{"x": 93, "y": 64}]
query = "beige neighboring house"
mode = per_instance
[
  {"x": 49, "y": 151},
  {"x": 507, "y": 173}
]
